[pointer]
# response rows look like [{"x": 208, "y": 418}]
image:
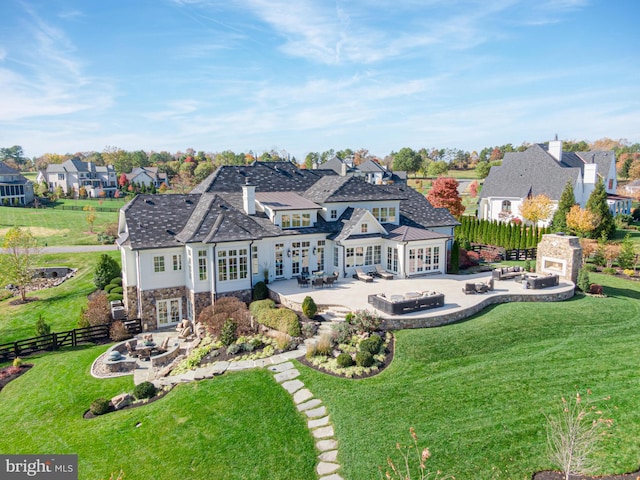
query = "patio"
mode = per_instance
[{"x": 353, "y": 294}]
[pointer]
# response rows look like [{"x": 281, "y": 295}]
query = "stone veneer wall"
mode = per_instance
[
  {"x": 200, "y": 301},
  {"x": 564, "y": 248},
  {"x": 130, "y": 301},
  {"x": 148, "y": 317},
  {"x": 245, "y": 295}
]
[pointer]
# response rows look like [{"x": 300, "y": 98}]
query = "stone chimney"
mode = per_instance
[
  {"x": 249, "y": 198},
  {"x": 555, "y": 149}
]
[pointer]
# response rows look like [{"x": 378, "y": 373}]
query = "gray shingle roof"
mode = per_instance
[
  {"x": 213, "y": 211},
  {"x": 532, "y": 172},
  {"x": 7, "y": 170},
  {"x": 405, "y": 233},
  {"x": 349, "y": 220},
  {"x": 346, "y": 189}
]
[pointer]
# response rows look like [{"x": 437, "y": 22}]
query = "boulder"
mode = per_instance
[{"x": 121, "y": 401}]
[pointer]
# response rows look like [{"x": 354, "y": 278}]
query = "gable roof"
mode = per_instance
[
  {"x": 532, "y": 172},
  {"x": 285, "y": 201},
  {"x": 6, "y": 170}
]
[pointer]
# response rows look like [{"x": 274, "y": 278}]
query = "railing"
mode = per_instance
[
  {"x": 515, "y": 254},
  {"x": 57, "y": 340}
]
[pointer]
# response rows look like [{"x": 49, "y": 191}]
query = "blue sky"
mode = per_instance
[{"x": 312, "y": 75}]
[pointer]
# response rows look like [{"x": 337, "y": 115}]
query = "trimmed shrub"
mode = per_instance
[
  {"x": 364, "y": 359},
  {"x": 256, "y": 308},
  {"x": 590, "y": 267},
  {"x": 309, "y": 307},
  {"x": 609, "y": 271},
  {"x": 233, "y": 349},
  {"x": 260, "y": 291},
  {"x": 344, "y": 360},
  {"x": 144, "y": 390},
  {"x": 99, "y": 406},
  {"x": 281, "y": 319},
  {"x": 309, "y": 329},
  {"x": 116, "y": 281},
  {"x": 118, "y": 332},
  {"x": 371, "y": 344},
  {"x": 595, "y": 289},
  {"x": 116, "y": 289},
  {"x": 98, "y": 311},
  {"x": 17, "y": 362},
  {"x": 112, "y": 297},
  {"x": 365, "y": 321},
  {"x": 108, "y": 288},
  {"x": 228, "y": 333}
]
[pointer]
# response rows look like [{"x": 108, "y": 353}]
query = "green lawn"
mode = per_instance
[
  {"x": 54, "y": 226},
  {"x": 235, "y": 427},
  {"x": 476, "y": 392},
  {"x": 59, "y": 306}
]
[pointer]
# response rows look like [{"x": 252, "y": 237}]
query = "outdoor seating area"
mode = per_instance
[
  {"x": 536, "y": 281},
  {"x": 382, "y": 273},
  {"x": 478, "y": 287},
  {"x": 317, "y": 279},
  {"x": 409, "y": 302},
  {"x": 508, "y": 273},
  {"x": 362, "y": 276}
]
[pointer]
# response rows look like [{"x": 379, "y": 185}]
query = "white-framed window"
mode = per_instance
[
  {"x": 392, "y": 259},
  {"x": 506, "y": 206},
  {"x": 320, "y": 254},
  {"x": 384, "y": 214},
  {"x": 296, "y": 220},
  {"x": 202, "y": 265},
  {"x": 334, "y": 214},
  {"x": 424, "y": 259},
  {"x": 233, "y": 264},
  {"x": 286, "y": 221},
  {"x": 177, "y": 262},
  {"x": 158, "y": 263},
  {"x": 364, "y": 228},
  {"x": 377, "y": 254},
  {"x": 190, "y": 264},
  {"x": 362, "y": 256},
  {"x": 255, "y": 268},
  {"x": 336, "y": 259},
  {"x": 168, "y": 311}
]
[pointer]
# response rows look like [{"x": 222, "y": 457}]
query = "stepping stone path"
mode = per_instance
[{"x": 317, "y": 419}]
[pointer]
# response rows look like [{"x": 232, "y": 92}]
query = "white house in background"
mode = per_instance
[
  {"x": 269, "y": 220},
  {"x": 74, "y": 173},
  {"x": 15, "y": 188},
  {"x": 147, "y": 176},
  {"x": 546, "y": 170},
  {"x": 370, "y": 170}
]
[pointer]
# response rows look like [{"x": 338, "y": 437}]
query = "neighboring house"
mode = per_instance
[
  {"x": 539, "y": 170},
  {"x": 269, "y": 221},
  {"x": 632, "y": 188},
  {"x": 73, "y": 174},
  {"x": 147, "y": 176},
  {"x": 15, "y": 189},
  {"x": 370, "y": 170}
]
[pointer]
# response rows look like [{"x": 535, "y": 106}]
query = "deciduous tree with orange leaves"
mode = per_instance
[{"x": 536, "y": 209}]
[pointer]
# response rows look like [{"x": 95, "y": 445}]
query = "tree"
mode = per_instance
[
  {"x": 310, "y": 159},
  {"x": 567, "y": 200},
  {"x": 406, "y": 160},
  {"x": 626, "y": 258},
  {"x": 572, "y": 434},
  {"x": 91, "y": 216},
  {"x": 536, "y": 209},
  {"x": 580, "y": 221},
  {"x": 18, "y": 263},
  {"x": 202, "y": 171},
  {"x": 444, "y": 193},
  {"x": 122, "y": 180},
  {"x": 13, "y": 155},
  {"x": 597, "y": 204},
  {"x": 436, "y": 169},
  {"x": 106, "y": 270},
  {"x": 473, "y": 189},
  {"x": 97, "y": 311}
]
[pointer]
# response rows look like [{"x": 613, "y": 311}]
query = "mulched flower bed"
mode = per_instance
[
  {"x": 388, "y": 358},
  {"x": 551, "y": 475},
  {"x": 11, "y": 373},
  {"x": 135, "y": 404}
]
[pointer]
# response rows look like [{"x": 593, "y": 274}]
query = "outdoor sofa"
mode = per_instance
[
  {"x": 542, "y": 281},
  {"x": 399, "y": 304},
  {"x": 507, "y": 273}
]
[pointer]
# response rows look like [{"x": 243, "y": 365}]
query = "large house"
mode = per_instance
[
  {"x": 269, "y": 221},
  {"x": 71, "y": 175},
  {"x": 15, "y": 188},
  {"x": 370, "y": 170},
  {"x": 546, "y": 170},
  {"x": 147, "y": 176}
]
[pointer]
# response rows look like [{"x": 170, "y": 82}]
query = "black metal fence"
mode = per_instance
[
  {"x": 503, "y": 254},
  {"x": 57, "y": 340}
]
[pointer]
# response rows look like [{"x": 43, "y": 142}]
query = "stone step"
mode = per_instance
[
  {"x": 328, "y": 456},
  {"x": 325, "y": 468}
]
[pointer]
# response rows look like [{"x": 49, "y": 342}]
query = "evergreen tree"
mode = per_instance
[
  {"x": 106, "y": 270},
  {"x": 597, "y": 204},
  {"x": 626, "y": 258},
  {"x": 583, "y": 282},
  {"x": 454, "y": 263},
  {"x": 567, "y": 200}
]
